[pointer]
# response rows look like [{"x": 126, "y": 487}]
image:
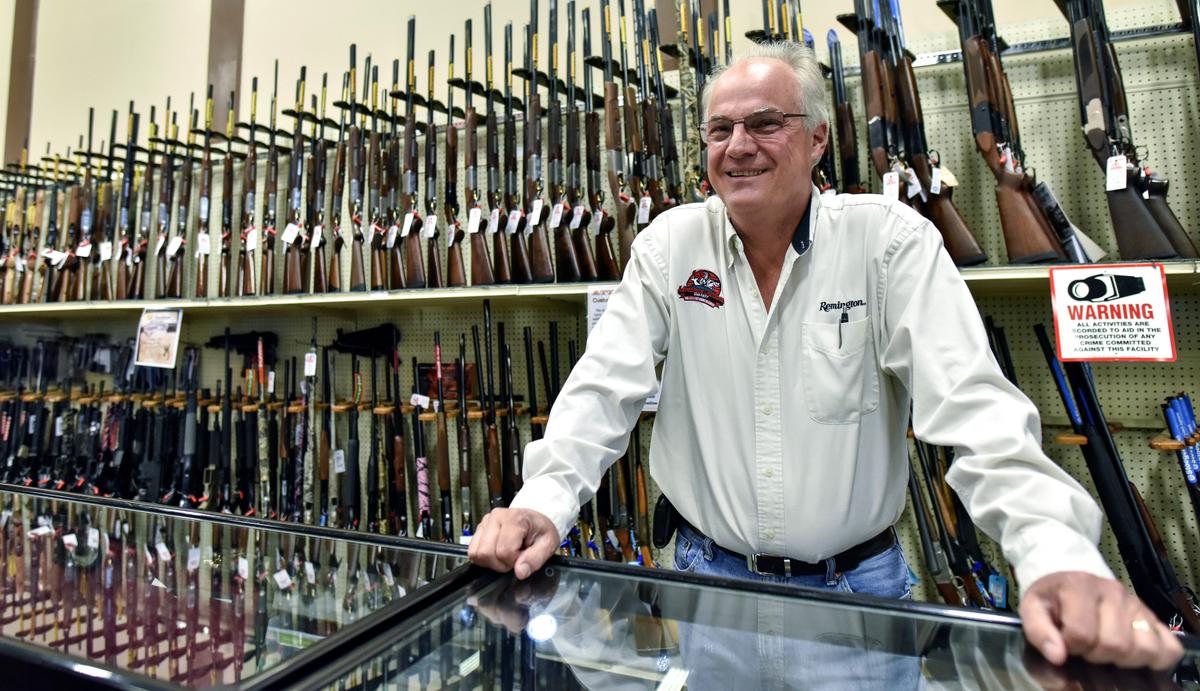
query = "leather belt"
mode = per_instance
[{"x": 771, "y": 565}]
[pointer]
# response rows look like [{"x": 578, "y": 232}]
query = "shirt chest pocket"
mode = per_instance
[{"x": 840, "y": 377}]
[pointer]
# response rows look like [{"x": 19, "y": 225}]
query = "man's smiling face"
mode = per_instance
[{"x": 748, "y": 171}]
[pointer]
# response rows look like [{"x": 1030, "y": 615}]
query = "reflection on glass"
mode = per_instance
[
  {"x": 191, "y": 602},
  {"x": 571, "y": 629}
]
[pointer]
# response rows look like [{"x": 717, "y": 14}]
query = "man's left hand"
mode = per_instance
[{"x": 1077, "y": 613}]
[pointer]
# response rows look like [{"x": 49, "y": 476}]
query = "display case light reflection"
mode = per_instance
[
  {"x": 90, "y": 671},
  {"x": 542, "y": 627}
]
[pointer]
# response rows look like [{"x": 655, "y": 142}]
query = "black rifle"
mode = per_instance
[
  {"x": 464, "y": 439},
  {"x": 424, "y": 516}
]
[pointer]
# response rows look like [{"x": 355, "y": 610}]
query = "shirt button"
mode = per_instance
[
  {"x": 768, "y": 410},
  {"x": 770, "y": 534},
  {"x": 766, "y": 348},
  {"x": 769, "y": 472}
]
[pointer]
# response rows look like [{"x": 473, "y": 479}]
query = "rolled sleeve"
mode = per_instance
[{"x": 934, "y": 341}]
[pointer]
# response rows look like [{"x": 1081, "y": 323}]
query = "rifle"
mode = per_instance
[
  {"x": 396, "y": 450},
  {"x": 625, "y": 207},
  {"x": 317, "y": 162},
  {"x": 266, "y": 277},
  {"x": 648, "y": 114},
  {"x": 464, "y": 440},
  {"x": 334, "y": 282},
  {"x": 424, "y": 518},
  {"x": 512, "y": 431},
  {"x": 455, "y": 234},
  {"x": 1150, "y": 571},
  {"x": 103, "y": 219},
  {"x": 665, "y": 120},
  {"x": 202, "y": 239},
  {"x": 86, "y": 219},
  {"x": 429, "y": 230},
  {"x": 128, "y": 239},
  {"x": 595, "y": 218},
  {"x": 540, "y": 267},
  {"x": 358, "y": 279},
  {"x": 959, "y": 242},
  {"x": 566, "y": 260},
  {"x": 137, "y": 250},
  {"x": 293, "y": 234},
  {"x": 1144, "y": 225},
  {"x": 246, "y": 256},
  {"x": 481, "y": 264},
  {"x": 50, "y": 253},
  {"x": 491, "y": 441},
  {"x": 186, "y": 488},
  {"x": 410, "y": 232},
  {"x": 174, "y": 287},
  {"x": 847, "y": 135},
  {"x": 642, "y": 506},
  {"x": 373, "y": 485},
  {"x": 580, "y": 216},
  {"x": 350, "y": 487},
  {"x": 327, "y": 436},
  {"x": 518, "y": 268},
  {"x": 497, "y": 195},
  {"x": 443, "y": 444}
]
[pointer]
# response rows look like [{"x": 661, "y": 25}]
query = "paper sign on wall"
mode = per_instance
[
  {"x": 1112, "y": 312},
  {"x": 158, "y": 337}
]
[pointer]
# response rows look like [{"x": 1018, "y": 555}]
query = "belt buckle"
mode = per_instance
[{"x": 752, "y": 564}]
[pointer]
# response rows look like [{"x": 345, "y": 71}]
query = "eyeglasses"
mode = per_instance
[{"x": 764, "y": 123}]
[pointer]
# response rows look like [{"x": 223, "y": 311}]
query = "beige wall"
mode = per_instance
[
  {"x": 104, "y": 54},
  {"x": 7, "y": 10}
]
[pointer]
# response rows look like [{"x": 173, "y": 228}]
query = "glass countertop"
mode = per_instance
[
  {"x": 582, "y": 628},
  {"x": 193, "y": 602}
]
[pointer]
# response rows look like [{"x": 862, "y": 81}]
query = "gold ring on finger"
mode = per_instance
[{"x": 1140, "y": 625}]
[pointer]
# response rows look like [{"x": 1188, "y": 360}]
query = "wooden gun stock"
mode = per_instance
[
  {"x": 434, "y": 275},
  {"x": 491, "y": 456},
  {"x": 456, "y": 270},
  {"x": 876, "y": 124},
  {"x": 292, "y": 279},
  {"x": 358, "y": 278},
  {"x": 414, "y": 266},
  {"x": 378, "y": 251}
]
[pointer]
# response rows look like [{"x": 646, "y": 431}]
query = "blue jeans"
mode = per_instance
[
  {"x": 883, "y": 575},
  {"x": 742, "y": 641}
]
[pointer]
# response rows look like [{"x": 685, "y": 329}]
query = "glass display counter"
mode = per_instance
[
  {"x": 195, "y": 602},
  {"x": 580, "y": 626}
]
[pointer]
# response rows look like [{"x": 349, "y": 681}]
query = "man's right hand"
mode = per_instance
[{"x": 517, "y": 540}]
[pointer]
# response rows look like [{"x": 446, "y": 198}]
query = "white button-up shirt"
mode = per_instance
[{"x": 783, "y": 431}]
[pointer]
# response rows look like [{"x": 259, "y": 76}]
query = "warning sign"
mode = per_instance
[{"x": 1112, "y": 312}]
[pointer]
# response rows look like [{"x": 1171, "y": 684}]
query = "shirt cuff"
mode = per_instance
[
  {"x": 1049, "y": 549},
  {"x": 547, "y": 497}
]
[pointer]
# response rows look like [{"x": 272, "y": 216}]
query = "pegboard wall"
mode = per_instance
[{"x": 1160, "y": 76}]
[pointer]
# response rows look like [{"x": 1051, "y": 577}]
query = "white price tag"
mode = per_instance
[
  {"x": 93, "y": 538},
  {"x": 84, "y": 250},
  {"x": 310, "y": 573},
  {"x": 948, "y": 179},
  {"x": 474, "y": 216},
  {"x": 162, "y": 240},
  {"x": 643, "y": 212},
  {"x": 408, "y": 221},
  {"x": 203, "y": 245},
  {"x": 1116, "y": 178},
  {"x": 163, "y": 553},
  {"x": 318, "y": 236},
  {"x": 576, "y": 217},
  {"x": 935, "y": 180},
  {"x": 914, "y": 184},
  {"x": 290, "y": 232},
  {"x": 387, "y": 575},
  {"x": 43, "y": 530},
  {"x": 556, "y": 216},
  {"x": 70, "y": 541},
  {"x": 158, "y": 584},
  {"x": 391, "y": 236},
  {"x": 251, "y": 241},
  {"x": 429, "y": 226},
  {"x": 419, "y": 400},
  {"x": 339, "y": 461},
  {"x": 4, "y": 518},
  {"x": 176, "y": 244},
  {"x": 597, "y": 221},
  {"x": 271, "y": 382},
  {"x": 243, "y": 568},
  {"x": 310, "y": 364},
  {"x": 282, "y": 579},
  {"x": 493, "y": 225},
  {"x": 105, "y": 251},
  {"x": 58, "y": 426},
  {"x": 464, "y": 539},
  {"x": 891, "y": 185},
  {"x": 193, "y": 558},
  {"x": 535, "y": 214},
  {"x": 33, "y": 424},
  {"x": 514, "y": 220}
]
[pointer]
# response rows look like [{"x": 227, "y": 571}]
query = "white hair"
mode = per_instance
[{"x": 803, "y": 62}]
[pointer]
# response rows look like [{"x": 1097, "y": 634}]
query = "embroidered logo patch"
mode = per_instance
[{"x": 702, "y": 286}]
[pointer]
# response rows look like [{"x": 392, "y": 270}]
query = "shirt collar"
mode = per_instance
[{"x": 802, "y": 237}]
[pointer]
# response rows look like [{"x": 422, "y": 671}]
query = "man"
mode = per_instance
[{"x": 794, "y": 331}]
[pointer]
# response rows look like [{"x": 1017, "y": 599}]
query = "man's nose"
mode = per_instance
[{"x": 740, "y": 142}]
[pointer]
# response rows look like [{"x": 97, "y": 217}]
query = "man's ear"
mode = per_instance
[{"x": 820, "y": 141}]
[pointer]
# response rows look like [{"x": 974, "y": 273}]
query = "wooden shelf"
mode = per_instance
[{"x": 1183, "y": 277}]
